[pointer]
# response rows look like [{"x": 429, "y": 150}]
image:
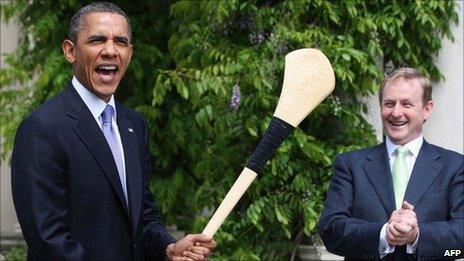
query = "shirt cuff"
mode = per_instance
[
  {"x": 411, "y": 249},
  {"x": 384, "y": 247}
]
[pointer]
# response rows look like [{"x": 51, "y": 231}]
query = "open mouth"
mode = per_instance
[
  {"x": 398, "y": 123},
  {"x": 106, "y": 69},
  {"x": 107, "y": 73}
]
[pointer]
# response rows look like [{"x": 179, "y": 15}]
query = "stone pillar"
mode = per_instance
[{"x": 10, "y": 231}]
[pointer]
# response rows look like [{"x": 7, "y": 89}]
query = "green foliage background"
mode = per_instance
[{"x": 187, "y": 57}]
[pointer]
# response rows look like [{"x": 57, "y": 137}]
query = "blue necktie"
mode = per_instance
[{"x": 112, "y": 139}]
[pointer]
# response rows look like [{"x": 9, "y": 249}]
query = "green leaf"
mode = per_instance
[
  {"x": 346, "y": 57},
  {"x": 251, "y": 127},
  {"x": 281, "y": 215}
]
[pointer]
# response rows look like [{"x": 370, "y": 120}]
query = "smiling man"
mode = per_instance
[
  {"x": 402, "y": 199},
  {"x": 80, "y": 162}
]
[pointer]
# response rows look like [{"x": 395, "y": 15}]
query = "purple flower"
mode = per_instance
[
  {"x": 257, "y": 38},
  {"x": 236, "y": 95}
]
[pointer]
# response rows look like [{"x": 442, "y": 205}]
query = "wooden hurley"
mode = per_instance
[{"x": 308, "y": 80}]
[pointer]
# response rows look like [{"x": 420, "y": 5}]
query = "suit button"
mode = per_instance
[{"x": 135, "y": 245}]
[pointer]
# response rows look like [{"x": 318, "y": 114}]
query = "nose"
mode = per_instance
[
  {"x": 397, "y": 112},
  {"x": 109, "y": 49}
]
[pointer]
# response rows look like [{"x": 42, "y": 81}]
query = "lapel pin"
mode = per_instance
[{"x": 130, "y": 130}]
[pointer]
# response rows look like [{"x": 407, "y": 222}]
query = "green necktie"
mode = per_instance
[{"x": 400, "y": 175}]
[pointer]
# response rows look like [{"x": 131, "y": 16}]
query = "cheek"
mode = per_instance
[
  {"x": 384, "y": 113},
  {"x": 89, "y": 56},
  {"x": 82, "y": 63},
  {"x": 125, "y": 60},
  {"x": 414, "y": 115},
  {"x": 89, "y": 62}
]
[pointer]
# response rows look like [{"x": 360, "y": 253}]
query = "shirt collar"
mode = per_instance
[
  {"x": 413, "y": 146},
  {"x": 95, "y": 104}
]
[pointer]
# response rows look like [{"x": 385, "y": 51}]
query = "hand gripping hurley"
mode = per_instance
[{"x": 308, "y": 80}]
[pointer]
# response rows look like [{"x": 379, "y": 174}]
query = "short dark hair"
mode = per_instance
[
  {"x": 408, "y": 74},
  {"x": 77, "y": 20}
]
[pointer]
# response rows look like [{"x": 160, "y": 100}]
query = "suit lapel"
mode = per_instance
[
  {"x": 377, "y": 170},
  {"x": 91, "y": 135},
  {"x": 424, "y": 173},
  {"x": 132, "y": 161}
]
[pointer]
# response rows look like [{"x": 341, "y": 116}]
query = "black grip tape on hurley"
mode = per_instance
[{"x": 275, "y": 134}]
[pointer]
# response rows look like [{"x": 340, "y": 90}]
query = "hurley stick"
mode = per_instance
[{"x": 308, "y": 80}]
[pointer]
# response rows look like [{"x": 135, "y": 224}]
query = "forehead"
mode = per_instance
[
  {"x": 105, "y": 23},
  {"x": 404, "y": 87}
]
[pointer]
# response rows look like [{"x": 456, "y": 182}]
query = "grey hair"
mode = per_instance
[
  {"x": 77, "y": 21},
  {"x": 408, "y": 74}
]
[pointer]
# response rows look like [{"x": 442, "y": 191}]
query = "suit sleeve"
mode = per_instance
[
  {"x": 341, "y": 233},
  {"x": 39, "y": 193},
  {"x": 437, "y": 237},
  {"x": 156, "y": 236}
]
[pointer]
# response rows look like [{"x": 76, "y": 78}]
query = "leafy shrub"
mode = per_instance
[{"x": 17, "y": 253}]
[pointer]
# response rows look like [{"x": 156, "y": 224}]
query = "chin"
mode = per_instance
[
  {"x": 395, "y": 137},
  {"x": 104, "y": 92},
  {"x": 106, "y": 88}
]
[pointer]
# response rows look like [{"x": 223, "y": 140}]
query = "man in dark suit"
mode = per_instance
[
  {"x": 402, "y": 199},
  {"x": 80, "y": 161}
]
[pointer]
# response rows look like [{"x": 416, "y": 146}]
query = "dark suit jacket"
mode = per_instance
[
  {"x": 360, "y": 201},
  {"x": 67, "y": 192}
]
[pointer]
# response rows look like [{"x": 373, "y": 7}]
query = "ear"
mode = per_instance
[
  {"x": 428, "y": 110},
  {"x": 131, "y": 50},
  {"x": 68, "y": 50}
]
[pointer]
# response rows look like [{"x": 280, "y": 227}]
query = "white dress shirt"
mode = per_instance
[
  {"x": 414, "y": 148},
  {"x": 96, "y": 107}
]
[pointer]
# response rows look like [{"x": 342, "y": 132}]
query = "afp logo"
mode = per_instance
[{"x": 452, "y": 252}]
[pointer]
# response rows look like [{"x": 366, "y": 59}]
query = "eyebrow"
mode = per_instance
[
  {"x": 401, "y": 100},
  {"x": 96, "y": 37},
  {"x": 122, "y": 38},
  {"x": 407, "y": 100},
  {"x": 103, "y": 37}
]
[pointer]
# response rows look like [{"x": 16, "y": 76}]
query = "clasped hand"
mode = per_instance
[
  {"x": 402, "y": 227},
  {"x": 191, "y": 247}
]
